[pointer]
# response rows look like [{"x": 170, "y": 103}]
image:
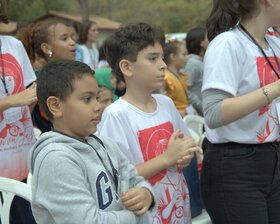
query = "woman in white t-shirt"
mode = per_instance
[
  {"x": 87, "y": 37},
  {"x": 240, "y": 176}
]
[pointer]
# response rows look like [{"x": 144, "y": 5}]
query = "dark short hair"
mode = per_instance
[
  {"x": 126, "y": 43},
  {"x": 194, "y": 38},
  {"x": 57, "y": 79}
]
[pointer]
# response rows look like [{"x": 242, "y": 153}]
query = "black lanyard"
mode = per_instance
[
  {"x": 3, "y": 79},
  {"x": 264, "y": 54},
  {"x": 115, "y": 172}
]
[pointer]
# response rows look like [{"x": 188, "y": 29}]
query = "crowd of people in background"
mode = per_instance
[{"x": 111, "y": 145}]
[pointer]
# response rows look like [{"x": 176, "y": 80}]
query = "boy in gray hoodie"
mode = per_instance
[{"x": 76, "y": 176}]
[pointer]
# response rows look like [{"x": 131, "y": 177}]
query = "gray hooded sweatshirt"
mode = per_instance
[{"x": 74, "y": 182}]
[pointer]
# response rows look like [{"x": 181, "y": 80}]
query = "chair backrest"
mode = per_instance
[
  {"x": 9, "y": 188},
  {"x": 195, "y": 123},
  {"x": 203, "y": 218},
  {"x": 29, "y": 179},
  {"x": 194, "y": 135}
]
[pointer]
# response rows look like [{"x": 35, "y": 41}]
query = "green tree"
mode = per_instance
[
  {"x": 21, "y": 10},
  {"x": 172, "y": 16}
]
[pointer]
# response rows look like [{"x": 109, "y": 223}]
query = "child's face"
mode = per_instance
[
  {"x": 204, "y": 44},
  {"x": 148, "y": 70},
  {"x": 61, "y": 42},
  {"x": 93, "y": 33},
  {"x": 81, "y": 111},
  {"x": 73, "y": 34},
  {"x": 113, "y": 81},
  {"x": 105, "y": 99},
  {"x": 181, "y": 56}
]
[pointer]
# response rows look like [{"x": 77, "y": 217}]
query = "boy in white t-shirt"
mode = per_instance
[{"x": 147, "y": 127}]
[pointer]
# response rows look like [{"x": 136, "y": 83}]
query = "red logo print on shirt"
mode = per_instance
[
  {"x": 14, "y": 83},
  {"x": 169, "y": 184},
  {"x": 266, "y": 76},
  {"x": 153, "y": 142},
  {"x": 13, "y": 75}
]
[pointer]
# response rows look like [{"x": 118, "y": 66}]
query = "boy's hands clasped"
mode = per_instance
[
  {"x": 180, "y": 150},
  {"x": 137, "y": 200}
]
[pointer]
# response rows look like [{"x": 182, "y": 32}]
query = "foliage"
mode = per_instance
[
  {"x": 172, "y": 16},
  {"x": 25, "y": 10}
]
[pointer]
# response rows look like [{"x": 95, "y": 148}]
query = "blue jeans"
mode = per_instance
[
  {"x": 192, "y": 178},
  {"x": 241, "y": 183}
]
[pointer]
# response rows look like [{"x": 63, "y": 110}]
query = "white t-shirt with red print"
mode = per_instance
[
  {"x": 234, "y": 64},
  {"x": 272, "y": 32},
  {"x": 142, "y": 136},
  {"x": 16, "y": 129}
]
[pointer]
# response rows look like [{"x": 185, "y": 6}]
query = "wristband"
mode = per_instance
[{"x": 266, "y": 95}]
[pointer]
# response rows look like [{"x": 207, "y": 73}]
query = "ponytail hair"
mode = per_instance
[
  {"x": 225, "y": 14},
  {"x": 34, "y": 35},
  {"x": 23, "y": 34}
]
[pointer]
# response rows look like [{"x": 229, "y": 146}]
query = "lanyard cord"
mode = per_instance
[
  {"x": 115, "y": 172},
  {"x": 264, "y": 54},
  {"x": 115, "y": 175},
  {"x": 3, "y": 79}
]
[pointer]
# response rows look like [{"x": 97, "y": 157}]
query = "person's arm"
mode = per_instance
[
  {"x": 61, "y": 190},
  {"x": 196, "y": 102},
  {"x": 194, "y": 73},
  {"x": 139, "y": 196},
  {"x": 177, "y": 149},
  {"x": 5, "y": 104},
  {"x": 26, "y": 97},
  {"x": 221, "y": 108},
  {"x": 234, "y": 108}
]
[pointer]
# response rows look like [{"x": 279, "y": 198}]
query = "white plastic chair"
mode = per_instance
[
  {"x": 203, "y": 218},
  {"x": 9, "y": 188},
  {"x": 194, "y": 135},
  {"x": 37, "y": 132},
  {"x": 29, "y": 179},
  {"x": 195, "y": 123}
]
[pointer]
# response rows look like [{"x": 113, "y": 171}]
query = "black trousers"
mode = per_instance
[{"x": 240, "y": 183}]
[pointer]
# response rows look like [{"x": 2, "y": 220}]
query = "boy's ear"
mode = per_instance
[
  {"x": 54, "y": 105},
  {"x": 125, "y": 67},
  {"x": 172, "y": 57}
]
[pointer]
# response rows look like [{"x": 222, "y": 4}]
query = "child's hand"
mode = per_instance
[
  {"x": 185, "y": 161},
  {"x": 137, "y": 200},
  {"x": 179, "y": 147},
  {"x": 24, "y": 98}
]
